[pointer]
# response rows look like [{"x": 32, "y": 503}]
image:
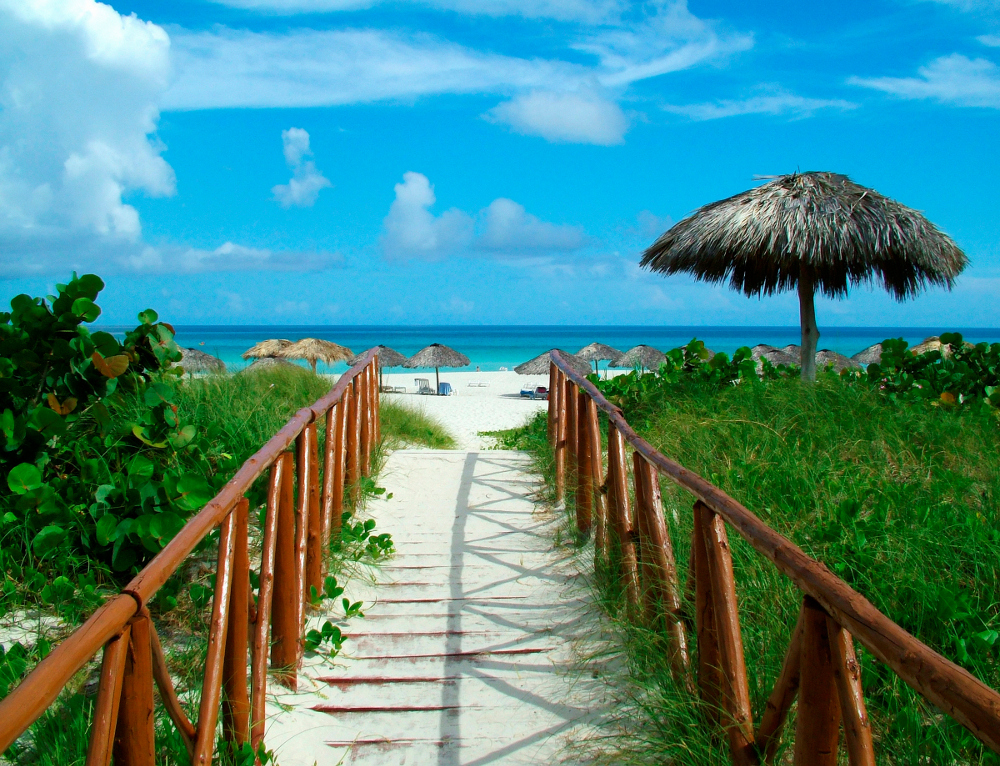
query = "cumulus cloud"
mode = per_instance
[
  {"x": 592, "y": 11},
  {"x": 306, "y": 182},
  {"x": 953, "y": 79},
  {"x": 773, "y": 103},
  {"x": 78, "y": 95},
  {"x": 564, "y": 117},
  {"x": 993, "y": 41},
  {"x": 503, "y": 228}
]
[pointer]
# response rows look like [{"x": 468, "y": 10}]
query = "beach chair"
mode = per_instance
[
  {"x": 534, "y": 391},
  {"x": 444, "y": 389},
  {"x": 423, "y": 386}
]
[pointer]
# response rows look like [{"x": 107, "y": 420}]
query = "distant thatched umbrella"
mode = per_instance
[
  {"x": 266, "y": 349},
  {"x": 871, "y": 355},
  {"x": 646, "y": 357},
  {"x": 437, "y": 356},
  {"x": 313, "y": 350},
  {"x": 387, "y": 357},
  {"x": 839, "y": 361},
  {"x": 268, "y": 363},
  {"x": 598, "y": 352},
  {"x": 812, "y": 231},
  {"x": 540, "y": 364},
  {"x": 193, "y": 360}
]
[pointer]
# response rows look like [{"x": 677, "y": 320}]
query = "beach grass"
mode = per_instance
[{"x": 900, "y": 500}]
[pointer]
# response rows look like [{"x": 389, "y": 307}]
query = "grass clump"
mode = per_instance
[
  {"x": 403, "y": 426},
  {"x": 901, "y": 500}
]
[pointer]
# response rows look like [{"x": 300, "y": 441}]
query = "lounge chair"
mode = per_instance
[
  {"x": 423, "y": 386},
  {"x": 534, "y": 391},
  {"x": 444, "y": 389}
]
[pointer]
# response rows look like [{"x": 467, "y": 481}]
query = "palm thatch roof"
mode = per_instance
[
  {"x": 266, "y": 348},
  {"x": 387, "y": 357},
  {"x": 315, "y": 350},
  {"x": 268, "y": 363},
  {"x": 788, "y": 355},
  {"x": 643, "y": 356},
  {"x": 436, "y": 355},
  {"x": 193, "y": 360},
  {"x": 540, "y": 364},
  {"x": 845, "y": 233},
  {"x": 598, "y": 352},
  {"x": 871, "y": 355},
  {"x": 840, "y": 362}
]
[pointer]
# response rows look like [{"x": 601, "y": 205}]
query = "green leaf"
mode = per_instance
[
  {"x": 194, "y": 492},
  {"x": 141, "y": 467},
  {"x": 24, "y": 478},
  {"x": 158, "y": 393},
  {"x": 148, "y": 316},
  {"x": 183, "y": 437},
  {"x": 86, "y": 309},
  {"x": 48, "y": 540},
  {"x": 107, "y": 529},
  {"x": 140, "y": 433}
]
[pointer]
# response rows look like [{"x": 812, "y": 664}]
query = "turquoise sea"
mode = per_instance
[{"x": 491, "y": 348}]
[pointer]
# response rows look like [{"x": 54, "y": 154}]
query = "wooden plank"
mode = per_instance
[
  {"x": 287, "y": 596},
  {"x": 597, "y": 481},
  {"x": 365, "y": 459},
  {"x": 235, "y": 700},
  {"x": 854, "y": 715},
  {"x": 314, "y": 521},
  {"x": 782, "y": 695},
  {"x": 329, "y": 459},
  {"x": 709, "y": 674},
  {"x": 168, "y": 695},
  {"x": 584, "y": 468},
  {"x": 620, "y": 516},
  {"x": 736, "y": 693},
  {"x": 818, "y": 719},
  {"x": 109, "y": 694},
  {"x": 559, "y": 388},
  {"x": 134, "y": 744}
]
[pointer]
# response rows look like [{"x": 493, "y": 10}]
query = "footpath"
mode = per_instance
[{"x": 468, "y": 653}]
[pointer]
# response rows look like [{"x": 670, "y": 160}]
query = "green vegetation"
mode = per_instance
[
  {"x": 899, "y": 498},
  {"x": 402, "y": 426}
]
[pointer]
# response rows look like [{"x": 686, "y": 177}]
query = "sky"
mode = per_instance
[{"x": 358, "y": 162}]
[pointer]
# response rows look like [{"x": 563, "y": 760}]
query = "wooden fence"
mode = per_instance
[
  {"x": 820, "y": 667},
  {"x": 301, "y": 517}
]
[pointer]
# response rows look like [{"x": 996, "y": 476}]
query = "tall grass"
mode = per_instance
[{"x": 901, "y": 501}]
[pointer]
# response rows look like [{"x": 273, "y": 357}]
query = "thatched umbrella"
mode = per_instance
[
  {"x": 540, "y": 364},
  {"x": 387, "y": 357},
  {"x": 598, "y": 352},
  {"x": 437, "y": 356},
  {"x": 812, "y": 231},
  {"x": 646, "y": 357},
  {"x": 193, "y": 360},
  {"x": 268, "y": 363},
  {"x": 266, "y": 349},
  {"x": 313, "y": 350},
  {"x": 871, "y": 355}
]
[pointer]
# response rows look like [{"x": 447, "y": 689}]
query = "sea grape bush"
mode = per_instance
[{"x": 98, "y": 466}]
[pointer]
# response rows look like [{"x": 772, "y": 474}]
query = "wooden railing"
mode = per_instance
[
  {"x": 301, "y": 517},
  {"x": 820, "y": 666}
]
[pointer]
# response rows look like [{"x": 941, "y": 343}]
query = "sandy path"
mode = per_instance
[{"x": 467, "y": 654}]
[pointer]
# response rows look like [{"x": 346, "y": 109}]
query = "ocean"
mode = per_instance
[{"x": 492, "y": 348}]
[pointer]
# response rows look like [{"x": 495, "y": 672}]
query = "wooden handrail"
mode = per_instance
[
  {"x": 942, "y": 682},
  {"x": 39, "y": 689}
]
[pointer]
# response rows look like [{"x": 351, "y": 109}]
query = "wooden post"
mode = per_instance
[
  {"x": 550, "y": 423},
  {"x": 109, "y": 694},
  {"x": 377, "y": 402},
  {"x": 647, "y": 577},
  {"x": 807, "y": 321},
  {"x": 168, "y": 695},
  {"x": 709, "y": 675},
  {"x": 847, "y": 674},
  {"x": 134, "y": 744},
  {"x": 818, "y": 721},
  {"x": 287, "y": 598},
  {"x": 211, "y": 686},
  {"x": 354, "y": 442},
  {"x": 782, "y": 696},
  {"x": 329, "y": 459},
  {"x": 561, "y": 436},
  {"x": 597, "y": 480},
  {"x": 736, "y": 692},
  {"x": 339, "y": 468},
  {"x": 258, "y": 670},
  {"x": 584, "y": 466},
  {"x": 303, "y": 460},
  {"x": 618, "y": 513},
  {"x": 571, "y": 436},
  {"x": 365, "y": 461},
  {"x": 314, "y": 521},
  {"x": 660, "y": 551},
  {"x": 235, "y": 701}
]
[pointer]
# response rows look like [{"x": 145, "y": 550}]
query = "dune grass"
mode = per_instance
[
  {"x": 901, "y": 501},
  {"x": 403, "y": 426}
]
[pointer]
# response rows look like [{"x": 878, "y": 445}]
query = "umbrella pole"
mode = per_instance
[
  {"x": 437, "y": 380},
  {"x": 807, "y": 320}
]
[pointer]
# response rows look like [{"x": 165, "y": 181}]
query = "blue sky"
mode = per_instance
[{"x": 474, "y": 161}]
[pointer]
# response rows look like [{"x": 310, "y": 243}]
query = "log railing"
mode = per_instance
[
  {"x": 820, "y": 667},
  {"x": 296, "y": 534}
]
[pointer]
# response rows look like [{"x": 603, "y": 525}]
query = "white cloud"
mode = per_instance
[
  {"x": 565, "y": 10},
  {"x": 79, "y": 86},
  {"x": 953, "y": 79},
  {"x": 227, "y": 257},
  {"x": 564, "y": 117},
  {"x": 506, "y": 227},
  {"x": 993, "y": 41},
  {"x": 503, "y": 228},
  {"x": 773, "y": 103},
  {"x": 306, "y": 182}
]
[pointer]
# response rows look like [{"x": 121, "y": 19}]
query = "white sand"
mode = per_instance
[{"x": 494, "y": 406}]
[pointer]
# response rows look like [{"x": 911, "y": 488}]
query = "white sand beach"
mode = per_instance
[{"x": 480, "y": 401}]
